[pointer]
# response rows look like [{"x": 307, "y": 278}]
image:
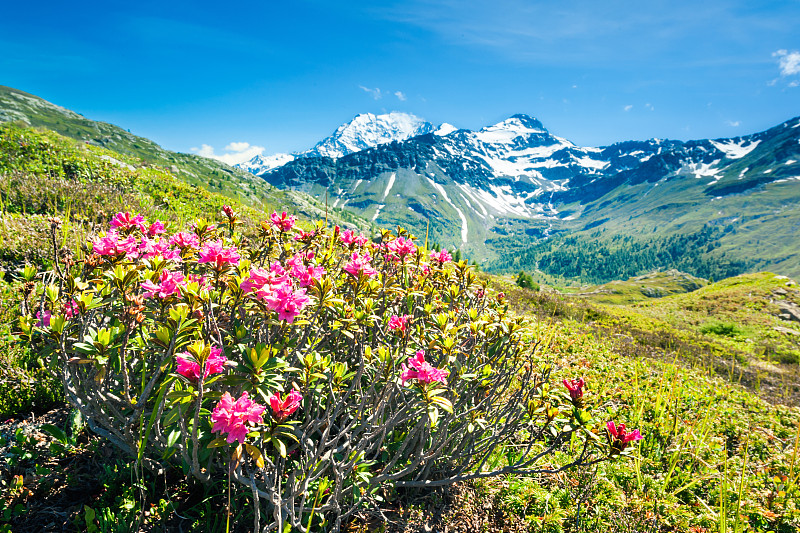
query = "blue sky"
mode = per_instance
[{"x": 283, "y": 75}]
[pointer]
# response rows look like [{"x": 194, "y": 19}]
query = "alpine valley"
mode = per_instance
[{"x": 514, "y": 196}]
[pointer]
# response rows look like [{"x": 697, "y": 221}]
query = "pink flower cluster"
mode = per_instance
[
  {"x": 169, "y": 283},
  {"x": 443, "y": 256},
  {"x": 128, "y": 222},
  {"x": 185, "y": 239},
  {"x": 619, "y": 437},
  {"x": 303, "y": 272},
  {"x": 402, "y": 247},
  {"x": 575, "y": 388},
  {"x": 215, "y": 252},
  {"x": 360, "y": 265},
  {"x": 348, "y": 238},
  {"x": 276, "y": 289},
  {"x": 283, "y": 409},
  {"x": 232, "y": 416},
  {"x": 399, "y": 323},
  {"x": 421, "y": 370},
  {"x": 189, "y": 368},
  {"x": 283, "y": 221}
]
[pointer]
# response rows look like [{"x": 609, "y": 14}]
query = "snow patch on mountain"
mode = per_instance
[{"x": 734, "y": 150}]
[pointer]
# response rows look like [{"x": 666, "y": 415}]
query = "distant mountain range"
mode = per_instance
[
  {"x": 514, "y": 196},
  {"x": 497, "y": 192}
]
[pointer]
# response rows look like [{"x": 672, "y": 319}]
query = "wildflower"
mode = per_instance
[
  {"x": 44, "y": 319},
  {"x": 260, "y": 278},
  {"x": 189, "y": 368},
  {"x": 421, "y": 370},
  {"x": 216, "y": 253},
  {"x": 443, "y": 256},
  {"x": 156, "y": 228},
  {"x": 302, "y": 273},
  {"x": 575, "y": 388},
  {"x": 228, "y": 212},
  {"x": 111, "y": 245},
  {"x": 127, "y": 222},
  {"x": 348, "y": 238},
  {"x": 231, "y": 416},
  {"x": 402, "y": 246},
  {"x": 619, "y": 437},
  {"x": 286, "y": 302},
  {"x": 282, "y": 409},
  {"x": 283, "y": 221},
  {"x": 71, "y": 309},
  {"x": 360, "y": 265},
  {"x": 185, "y": 239},
  {"x": 399, "y": 323},
  {"x": 169, "y": 283}
]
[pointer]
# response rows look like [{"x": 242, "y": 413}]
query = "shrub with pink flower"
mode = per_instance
[
  {"x": 188, "y": 366},
  {"x": 402, "y": 247},
  {"x": 399, "y": 323},
  {"x": 422, "y": 371},
  {"x": 185, "y": 239},
  {"x": 156, "y": 228},
  {"x": 127, "y": 222},
  {"x": 348, "y": 237},
  {"x": 283, "y": 409},
  {"x": 575, "y": 388},
  {"x": 216, "y": 253},
  {"x": 169, "y": 283},
  {"x": 619, "y": 437},
  {"x": 287, "y": 302},
  {"x": 442, "y": 256},
  {"x": 283, "y": 222},
  {"x": 360, "y": 265},
  {"x": 233, "y": 416},
  {"x": 111, "y": 244}
]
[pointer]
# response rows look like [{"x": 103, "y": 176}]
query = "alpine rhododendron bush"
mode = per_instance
[{"x": 316, "y": 368}]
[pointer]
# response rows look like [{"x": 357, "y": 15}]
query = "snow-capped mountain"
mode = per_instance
[
  {"x": 515, "y": 182},
  {"x": 364, "y": 131}
]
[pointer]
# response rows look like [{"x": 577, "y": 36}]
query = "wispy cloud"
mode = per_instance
[
  {"x": 401, "y": 96},
  {"x": 733, "y": 123},
  {"x": 235, "y": 152},
  {"x": 628, "y": 107},
  {"x": 375, "y": 93}
]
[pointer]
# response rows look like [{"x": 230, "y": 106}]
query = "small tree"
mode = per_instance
[{"x": 526, "y": 281}]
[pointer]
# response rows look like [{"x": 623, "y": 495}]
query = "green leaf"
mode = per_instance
[{"x": 216, "y": 443}]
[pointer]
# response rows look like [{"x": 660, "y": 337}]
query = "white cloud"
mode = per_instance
[
  {"x": 733, "y": 123},
  {"x": 649, "y": 107},
  {"x": 628, "y": 107},
  {"x": 375, "y": 93},
  {"x": 789, "y": 62},
  {"x": 235, "y": 152},
  {"x": 401, "y": 96}
]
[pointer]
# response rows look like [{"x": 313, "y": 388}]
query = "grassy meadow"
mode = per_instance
[{"x": 708, "y": 377}]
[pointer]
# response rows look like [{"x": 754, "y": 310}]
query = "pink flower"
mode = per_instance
[
  {"x": 619, "y": 437},
  {"x": 260, "y": 278},
  {"x": 304, "y": 275},
  {"x": 282, "y": 409},
  {"x": 189, "y": 368},
  {"x": 286, "y": 302},
  {"x": 231, "y": 416},
  {"x": 44, "y": 319},
  {"x": 169, "y": 283},
  {"x": 360, "y": 265},
  {"x": 201, "y": 281},
  {"x": 151, "y": 248},
  {"x": 71, "y": 309},
  {"x": 111, "y": 245},
  {"x": 399, "y": 323},
  {"x": 228, "y": 212},
  {"x": 216, "y": 253},
  {"x": 283, "y": 221},
  {"x": 305, "y": 236},
  {"x": 156, "y": 228},
  {"x": 443, "y": 256},
  {"x": 422, "y": 371},
  {"x": 402, "y": 247},
  {"x": 185, "y": 239},
  {"x": 575, "y": 388},
  {"x": 126, "y": 222},
  {"x": 348, "y": 238}
]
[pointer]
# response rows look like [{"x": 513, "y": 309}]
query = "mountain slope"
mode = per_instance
[
  {"x": 27, "y": 110},
  {"x": 498, "y": 191}
]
